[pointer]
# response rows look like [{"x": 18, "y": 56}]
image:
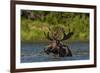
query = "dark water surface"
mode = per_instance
[{"x": 33, "y": 52}]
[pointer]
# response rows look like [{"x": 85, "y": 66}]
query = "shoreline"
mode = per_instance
[{"x": 50, "y": 41}]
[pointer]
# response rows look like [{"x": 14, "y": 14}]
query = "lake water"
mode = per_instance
[{"x": 34, "y": 52}]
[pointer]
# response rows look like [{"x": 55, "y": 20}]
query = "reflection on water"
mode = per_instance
[{"x": 33, "y": 52}]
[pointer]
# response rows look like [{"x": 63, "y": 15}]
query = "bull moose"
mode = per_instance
[{"x": 56, "y": 46}]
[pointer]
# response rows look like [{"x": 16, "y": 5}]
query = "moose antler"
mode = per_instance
[
  {"x": 66, "y": 36},
  {"x": 47, "y": 36},
  {"x": 54, "y": 35}
]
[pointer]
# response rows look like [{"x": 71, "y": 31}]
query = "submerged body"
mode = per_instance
[{"x": 57, "y": 48}]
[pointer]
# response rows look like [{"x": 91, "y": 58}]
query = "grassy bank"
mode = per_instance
[{"x": 33, "y": 29}]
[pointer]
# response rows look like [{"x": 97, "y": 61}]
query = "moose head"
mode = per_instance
[{"x": 57, "y": 47}]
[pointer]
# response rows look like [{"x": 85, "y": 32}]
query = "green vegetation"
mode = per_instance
[{"x": 35, "y": 23}]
